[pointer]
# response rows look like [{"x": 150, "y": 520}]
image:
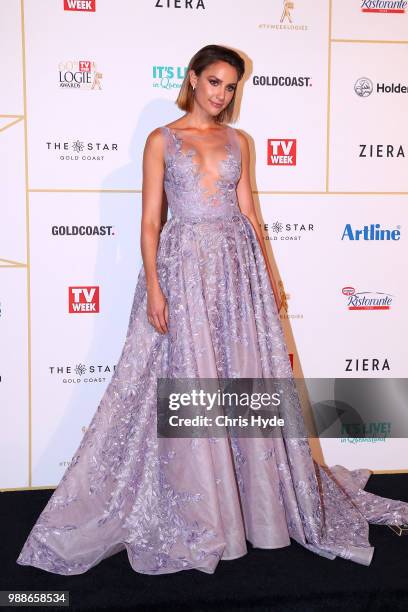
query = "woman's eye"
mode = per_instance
[{"x": 214, "y": 82}]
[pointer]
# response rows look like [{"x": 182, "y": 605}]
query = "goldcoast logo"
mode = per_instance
[
  {"x": 286, "y": 19},
  {"x": 383, "y": 6},
  {"x": 81, "y": 74}
]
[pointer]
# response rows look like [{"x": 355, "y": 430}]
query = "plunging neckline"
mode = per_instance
[{"x": 191, "y": 151}]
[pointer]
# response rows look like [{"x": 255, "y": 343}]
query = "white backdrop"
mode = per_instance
[{"x": 83, "y": 85}]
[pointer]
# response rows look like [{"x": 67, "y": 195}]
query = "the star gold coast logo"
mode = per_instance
[
  {"x": 79, "y": 74},
  {"x": 287, "y": 21}
]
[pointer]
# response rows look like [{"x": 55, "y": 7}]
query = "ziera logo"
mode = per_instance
[
  {"x": 83, "y": 299},
  {"x": 281, "y": 152},
  {"x": 371, "y": 232},
  {"x": 383, "y": 6},
  {"x": 80, "y": 5}
]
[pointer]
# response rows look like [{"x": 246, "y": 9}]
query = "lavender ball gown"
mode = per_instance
[{"x": 179, "y": 504}]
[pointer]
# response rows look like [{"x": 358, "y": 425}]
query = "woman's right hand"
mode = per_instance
[{"x": 157, "y": 309}]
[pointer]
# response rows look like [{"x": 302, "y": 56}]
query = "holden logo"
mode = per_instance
[
  {"x": 363, "y": 87},
  {"x": 348, "y": 291}
]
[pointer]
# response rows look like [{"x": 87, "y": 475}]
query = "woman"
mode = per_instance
[{"x": 203, "y": 307}]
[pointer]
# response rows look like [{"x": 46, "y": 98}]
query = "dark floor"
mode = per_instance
[{"x": 290, "y": 578}]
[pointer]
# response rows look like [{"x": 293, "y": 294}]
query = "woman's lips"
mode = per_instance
[{"x": 216, "y": 105}]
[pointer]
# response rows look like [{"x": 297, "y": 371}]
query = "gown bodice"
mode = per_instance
[{"x": 201, "y": 173}]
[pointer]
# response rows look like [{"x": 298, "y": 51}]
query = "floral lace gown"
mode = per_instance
[{"x": 178, "y": 504}]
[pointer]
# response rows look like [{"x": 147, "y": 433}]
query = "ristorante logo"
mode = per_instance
[
  {"x": 82, "y": 230},
  {"x": 374, "y": 231},
  {"x": 285, "y": 17},
  {"x": 79, "y": 74},
  {"x": 83, "y": 299},
  {"x": 364, "y": 87},
  {"x": 80, "y": 5},
  {"x": 381, "y": 150},
  {"x": 80, "y": 373},
  {"x": 270, "y": 80},
  {"x": 180, "y": 4},
  {"x": 168, "y": 77},
  {"x": 367, "y": 300},
  {"x": 78, "y": 150},
  {"x": 383, "y": 6},
  {"x": 367, "y": 364},
  {"x": 281, "y": 152}
]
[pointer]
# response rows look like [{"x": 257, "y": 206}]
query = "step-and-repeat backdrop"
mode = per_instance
[{"x": 83, "y": 83}]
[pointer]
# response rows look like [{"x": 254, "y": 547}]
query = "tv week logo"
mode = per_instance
[
  {"x": 281, "y": 152},
  {"x": 83, "y": 299},
  {"x": 80, "y": 5}
]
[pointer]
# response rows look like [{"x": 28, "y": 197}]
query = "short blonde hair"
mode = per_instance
[{"x": 203, "y": 58}]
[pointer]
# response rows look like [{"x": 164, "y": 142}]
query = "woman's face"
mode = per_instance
[{"x": 215, "y": 87}]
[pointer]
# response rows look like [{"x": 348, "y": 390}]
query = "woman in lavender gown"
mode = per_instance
[{"x": 205, "y": 306}]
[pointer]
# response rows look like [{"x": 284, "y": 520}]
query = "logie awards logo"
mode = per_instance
[
  {"x": 79, "y": 74},
  {"x": 286, "y": 18}
]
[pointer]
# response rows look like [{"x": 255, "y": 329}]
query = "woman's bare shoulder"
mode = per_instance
[
  {"x": 242, "y": 138},
  {"x": 155, "y": 139}
]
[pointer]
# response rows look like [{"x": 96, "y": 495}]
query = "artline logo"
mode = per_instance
[
  {"x": 286, "y": 231},
  {"x": 367, "y": 364},
  {"x": 281, "y": 81},
  {"x": 76, "y": 374},
  {"x": 80, "y": 5},
  {"x": 381, "y": 150},
  {"x": 180, "y": 4},
  {"x": 82, "y": 230},
  {"x": 82, "y": 74},
  {"x": 383, "y": 6},
  {"x": 371, "y": 232},
  {"x": 83, "y": 299},
  {"x": 286, "y": 18},
  {"x": 367, "y": 300},
  {"x": 364, "y": 87},
  {"x": 281, "y": 152},
  {"x": 168, "y": 77},
  {"x": 81, "y": 151}
]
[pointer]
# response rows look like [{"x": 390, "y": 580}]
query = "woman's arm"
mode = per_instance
[
  {"x": 247, "y": 207},
  {"x": 152, "y": 199}
]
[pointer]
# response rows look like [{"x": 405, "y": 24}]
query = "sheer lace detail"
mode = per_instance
[{"x": 201, "y": 177}]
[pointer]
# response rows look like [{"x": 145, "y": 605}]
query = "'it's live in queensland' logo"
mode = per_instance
[
  {"x": 383, "y": 6},
  {"x": 79, "y": 74},
  {"x": 168, "y": 77},
  {"x": 83, "y": 299},
  {"x": 80, "y": 5},
  {"x": 281, "y": 152},
  {"x": 367, "y": 300}
]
